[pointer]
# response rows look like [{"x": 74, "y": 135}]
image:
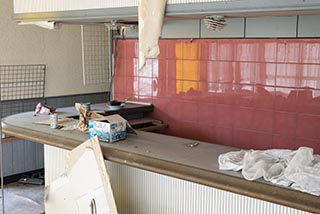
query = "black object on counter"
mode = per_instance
[{"x": 115, "y": 103}]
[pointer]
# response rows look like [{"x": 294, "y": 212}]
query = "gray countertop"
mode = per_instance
[{"x": 162, "y": 154}]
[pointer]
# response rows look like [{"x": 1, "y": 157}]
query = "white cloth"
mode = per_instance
[{"x": 298, "y": 169}]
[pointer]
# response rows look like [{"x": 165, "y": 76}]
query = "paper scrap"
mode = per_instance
[{"x": 84, "y": 116}]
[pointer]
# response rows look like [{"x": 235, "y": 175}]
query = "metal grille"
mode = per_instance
[
  {"x": 22, "y": 81},
  {"x": 94, "y": 54}
]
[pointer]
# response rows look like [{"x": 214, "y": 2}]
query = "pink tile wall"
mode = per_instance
[{"x": 246, "y": 93}]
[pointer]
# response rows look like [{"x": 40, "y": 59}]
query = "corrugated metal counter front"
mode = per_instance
[{"x": 162, "y": 154}]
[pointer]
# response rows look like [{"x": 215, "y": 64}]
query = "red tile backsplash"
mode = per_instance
[
  {"x": 265, "y": 73},
  {"x": 224, "y": 93},
  {"x": 223, "y": 135},
  {"x": 262, "y": 120},
  {"x": 244, "y": 95},
  {"x": 249, "y": 139},
  {"x": 264, "y": 97},
  {"x": 247, "y": 93},
  {"x": 131, "y": 86},
  {"x": 120, "y": 82},
  {"x": 284, "y": 142},
  {"x": 245, "y": 72},
  {"x": 308, "y": 126},
  {"x": 309, "y": 101},
  {"x": 288, "y": 51},
  {"x": 288, "y": 75},
  {"x": 132, "y": 49},
  {"x": 309, "y": 143},
  {"x": 247, "y": 51},
  {"x": 226, "y": 50},
  {"x": 285, "y": 123},
  {"x": 120, "y": 64},
  {"x": 286, "y": 99},
  {"x": 224, "y": 115},
  {"x": 206, "y": 113},
  {"x": 267, "y": 50},
  {"x": 243, "y": 117},
  {"x": 310, "y": 51},
  {"x": 225, "y": 71}
]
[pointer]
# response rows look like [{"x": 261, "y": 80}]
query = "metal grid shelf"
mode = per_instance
[
  {"x": 22, "y": 81},
  {"x": 94, "y": 54}
]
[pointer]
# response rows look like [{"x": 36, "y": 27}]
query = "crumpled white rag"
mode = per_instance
[{"x": 299, "y": 169}]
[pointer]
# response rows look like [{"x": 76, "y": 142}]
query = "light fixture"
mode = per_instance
[{"x": 44, "y": 24}]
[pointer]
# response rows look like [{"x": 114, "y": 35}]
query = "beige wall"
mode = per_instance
[{"x": 59, "y": 49}]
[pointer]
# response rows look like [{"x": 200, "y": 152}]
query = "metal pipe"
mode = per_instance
[
  {"x": 111, "y": 62},
  {"x": 1, "y": 156}
]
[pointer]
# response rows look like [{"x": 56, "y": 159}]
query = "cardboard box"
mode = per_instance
[{"x": 109, "y": 129}]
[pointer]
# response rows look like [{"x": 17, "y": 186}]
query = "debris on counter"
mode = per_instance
[
  {"x": 54, "y": 121},
  {"x": 69, "y": 128},
  {"x": 60, "y": 121},
  {"x": 299, "y": 169},
  {"x": 139, "y": 103},
  {"x": 84, "y": 116},
  {"x": 192, "y": 145},
  {"x": 115, "y": 105},
  {"x": 110, "y": 128},
  {"x": 87, "y": 106},
  {"x": 43, "y": 108}
]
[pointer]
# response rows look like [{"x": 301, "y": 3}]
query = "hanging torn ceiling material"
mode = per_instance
[{"x": 151, "y": 14}]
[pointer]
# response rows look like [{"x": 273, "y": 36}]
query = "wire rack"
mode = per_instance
[
  {"x": 22, "y": 81},
  {"x": 94, "y": 54}
]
